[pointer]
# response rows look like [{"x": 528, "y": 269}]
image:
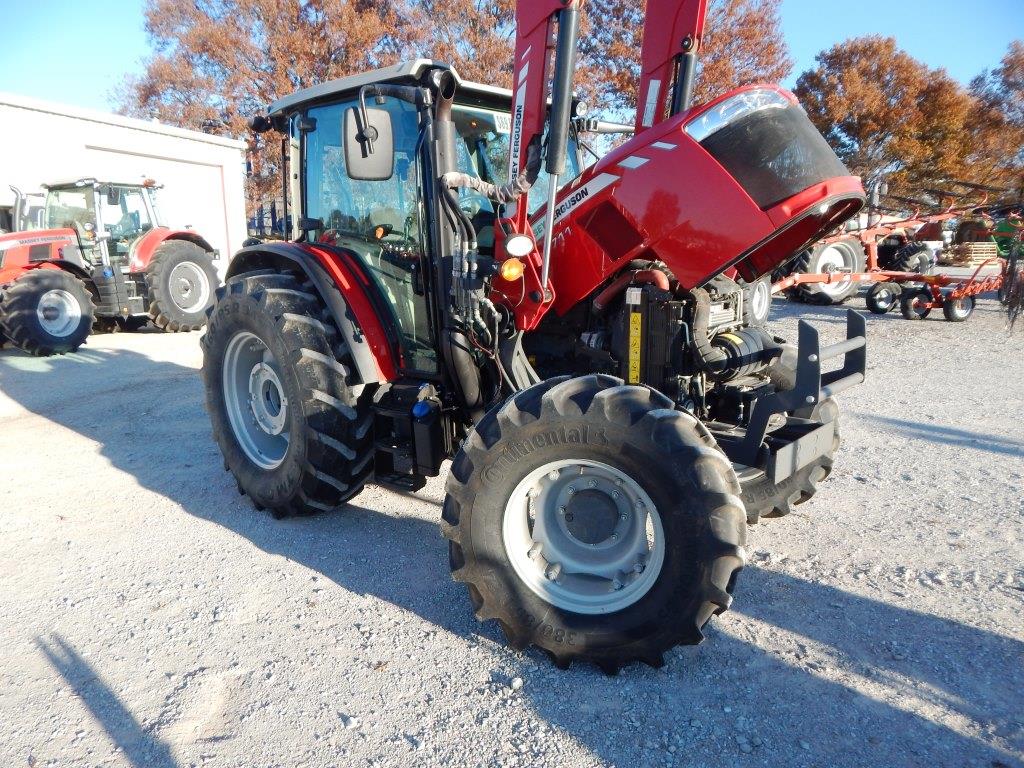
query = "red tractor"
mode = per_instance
[
  {"x": 103, "y": 259},
  {"x": 575, "y": 341}
]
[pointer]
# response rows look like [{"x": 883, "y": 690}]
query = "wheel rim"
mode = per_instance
[
  {"x": 835, "y": 257},
  {"x": 189, "y": 286},
  {"x": 761, "y": 300},
  {"x": 59, "y": 313},
  {"x": 256, "y": 405},
  {"x": 917, "y": 304},
  {"x": 884, "y": 296},
  {"x": 961, "y": 307},
  {"x": 584, "y": 536}
]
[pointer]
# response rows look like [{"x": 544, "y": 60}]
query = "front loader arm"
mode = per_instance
[{"x": 673, "y": 30}]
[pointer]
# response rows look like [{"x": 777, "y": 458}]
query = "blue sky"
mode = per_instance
[{"x": 78, "y": 52}]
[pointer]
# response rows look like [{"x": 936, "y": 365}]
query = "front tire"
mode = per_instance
[
  {"x": 763, "y": 498},
  {"x": 554, "y": 564},
  {"x": 46, "y": 312},
  {"x": 914, "y": 303},
  {"x": 958, "y": 310},
  {"x": 181, "y": 282},
  {"x": 287, "y": 410}
]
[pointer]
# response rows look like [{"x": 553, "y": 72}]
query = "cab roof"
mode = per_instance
[
  {"x": 404, "y": 72},
  {"x": 89, "y": 181}
]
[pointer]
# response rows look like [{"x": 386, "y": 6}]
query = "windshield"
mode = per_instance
[
  {"x": 70, "y": 209},
  {"x": 483, "y": 152}
]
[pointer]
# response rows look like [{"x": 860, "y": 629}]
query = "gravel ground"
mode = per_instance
[{"x": 149, "y": 616}]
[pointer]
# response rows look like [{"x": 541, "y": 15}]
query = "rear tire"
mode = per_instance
[
  {"x": 46, "y": 312},
  {"x": 291, "y": 418},
  {"x": 844, "y": 255},
  {"x": 913, "y": 257},
  {"x": 645, "y": 464},
  {"x": 181, "y": 281}
]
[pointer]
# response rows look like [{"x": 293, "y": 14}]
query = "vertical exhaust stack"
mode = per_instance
[{"x": 558, "y": 126}]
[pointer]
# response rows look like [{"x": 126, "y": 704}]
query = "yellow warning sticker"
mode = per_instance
[{"x": 634, "y": 347}]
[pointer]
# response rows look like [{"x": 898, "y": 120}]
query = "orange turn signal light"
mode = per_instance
[{"x": 511, "y": 269}]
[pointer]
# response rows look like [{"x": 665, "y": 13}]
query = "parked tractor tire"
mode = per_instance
[
  {"x": 913, "y": 257},
  {"x": 913, "y": 303},
  {"x": 841, "y": 256},
  {"x": 181, "y": 281},
  {"x": 591, "y": 519},
  {"x": 958, "y": 310},
  {"x": 757, "y": 301},
  {"x": 288, "y": 411},
  {"x": 46, "y": 312},
  {"x": 882, "y": 297},
  {"x": 763, "y": 498}
]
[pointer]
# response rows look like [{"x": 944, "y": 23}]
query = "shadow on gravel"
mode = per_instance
[
  {"x": 148, "y": 421},
  {"x": 946, "y": 435},
  {"x": 138, "y": 747}
]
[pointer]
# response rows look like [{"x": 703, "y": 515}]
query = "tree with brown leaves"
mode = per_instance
[
  {"x": 997, "y": 124},
  {"x": 216, "y": 63}
]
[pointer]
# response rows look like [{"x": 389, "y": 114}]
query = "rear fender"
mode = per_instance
[
  {"x": 346, "y": 289},
  {"x": 142, "y": 250}
]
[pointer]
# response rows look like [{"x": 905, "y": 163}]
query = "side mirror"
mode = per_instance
[{"x": 369, "y": 148}]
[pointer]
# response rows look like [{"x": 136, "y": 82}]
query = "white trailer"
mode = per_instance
[{"x": 202, "y": 176}]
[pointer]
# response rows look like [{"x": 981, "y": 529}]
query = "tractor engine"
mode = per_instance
[{"x": 695, "y": 346}]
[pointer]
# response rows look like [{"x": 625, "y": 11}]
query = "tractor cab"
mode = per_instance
[
  {"x": 383, "y": 220},
  {"x": 107, "y": 217}
]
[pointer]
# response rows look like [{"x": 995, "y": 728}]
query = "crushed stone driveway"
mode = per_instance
[{"x": 149, "y": 616}]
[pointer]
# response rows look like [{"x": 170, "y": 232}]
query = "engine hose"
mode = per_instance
[
  {"x": 637, "y": 277},
  {"x": 728, "y": 355}
]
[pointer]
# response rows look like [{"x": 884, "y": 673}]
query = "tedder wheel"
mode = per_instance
[
  {"x": 913, "y": 303},
  {"x": 882, "y": 297},
  {"x": 757, "y": 301},
  {"x": 287, "y": 409},
  {"x": 762, "y": 497},
  {"x": 958, "y": 310},
  {"x": 591, "y": 519},
  {"x": 181, "y": 281},
  {"x": 842, "y": 256},
  {"x": 46, "y": 312}
]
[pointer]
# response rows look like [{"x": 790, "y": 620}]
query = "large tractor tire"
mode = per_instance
[
  {"x": 763, "y": 498},
  {"x": 912, "y": 257},
  {"x": 841, "y": 256},
  {"x": 287, "y": 409},
  {"x": 46, "y": 312},
  {"x": 594, "y": 521},
  {"x": 182, "y": 282}
]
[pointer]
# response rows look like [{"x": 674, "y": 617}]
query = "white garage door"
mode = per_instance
[{"x": 192, "y": 194}]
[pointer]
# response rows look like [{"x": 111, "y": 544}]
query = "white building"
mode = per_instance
[{"x": 202, "y": 176}]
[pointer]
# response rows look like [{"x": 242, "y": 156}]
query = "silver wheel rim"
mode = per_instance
[
  {"x": 583, "y": 536},
  {"x": 961, "y": 307},
  {"x": 885, "y": 296},
  {"x": 256, "y": 406},
  {"x": 59, "y": 313},
  {"x": 835, "y": 258},
  {"x": 189, "y": 286},
  {"x": 761, "y": 300}
]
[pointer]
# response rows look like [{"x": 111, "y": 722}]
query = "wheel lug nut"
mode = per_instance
[
  {"x": 592, "y": 484},
  {"x": 638, "y": 568},
  {"x": 552, "y": 571},
  {"x": 614, "y": 536},
  {"x": 570, "y": 490},
  {"x": 535, "y": 551},
  {"x": 616, "y": 585},
  {"x": 622, "y": 516},
  {"x": 561, "y": 510},
  {"x": 553, "y": 474}
]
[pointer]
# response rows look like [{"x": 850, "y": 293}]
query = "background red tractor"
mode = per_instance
[{"x": 103, "y": 259}]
